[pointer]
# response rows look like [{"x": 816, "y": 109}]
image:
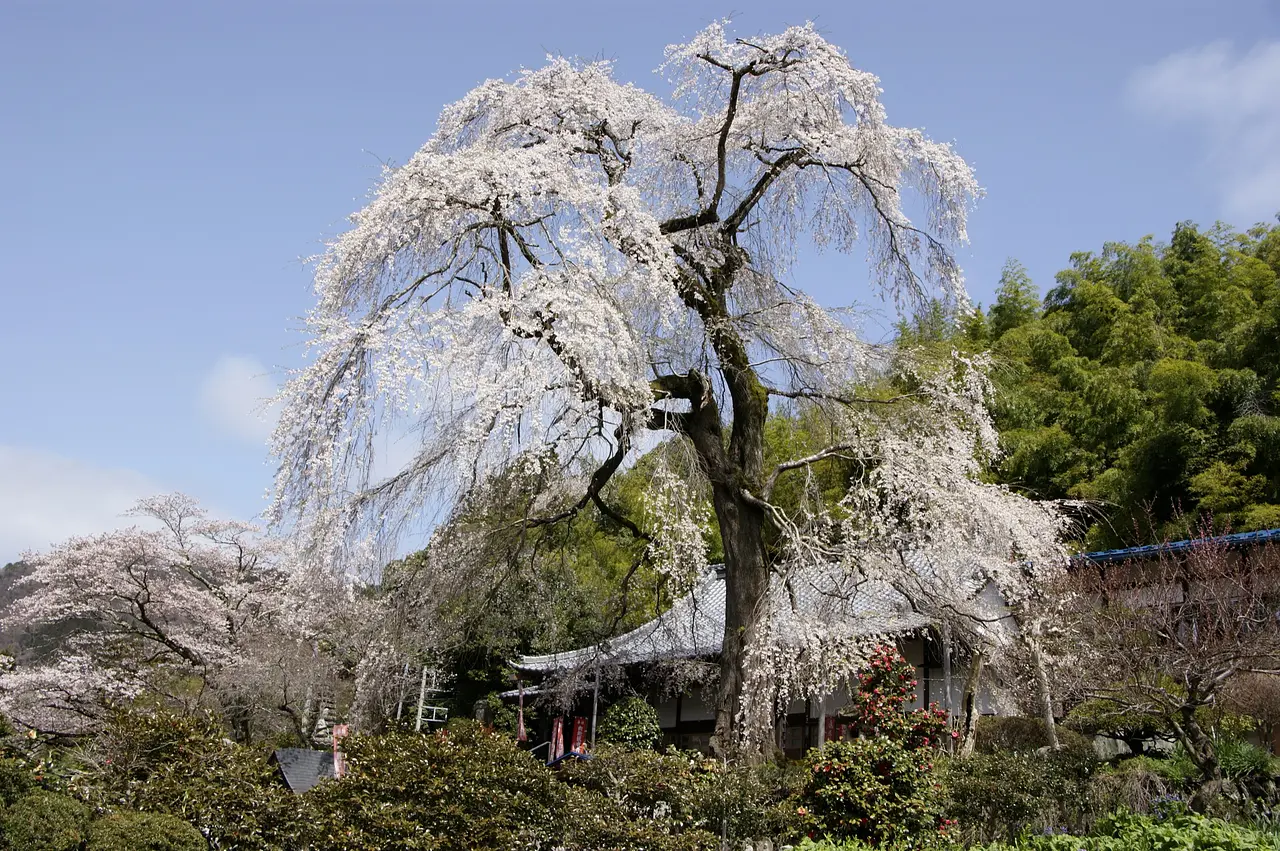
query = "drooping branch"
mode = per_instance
[
  {"x": 839, "y": 450},
  {"x": 841, "y": 398}
]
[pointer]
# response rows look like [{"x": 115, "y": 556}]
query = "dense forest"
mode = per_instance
[{"x": 1144, "y": 384}]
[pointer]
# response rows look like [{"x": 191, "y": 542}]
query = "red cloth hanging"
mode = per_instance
[
  {"x": 579, "y": 735},
  {"x": 557, "y": 740}
]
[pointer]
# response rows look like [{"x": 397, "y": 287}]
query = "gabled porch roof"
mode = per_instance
[{"x": 694, "y": 626}]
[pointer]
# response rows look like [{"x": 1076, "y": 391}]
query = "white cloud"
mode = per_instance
[
  {"x": 234, "y": 395},
  {"x": 1233, "y": 99},
  {"x": 46, "y": 498}
]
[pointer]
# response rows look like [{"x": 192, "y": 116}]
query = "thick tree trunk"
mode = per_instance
[
  {"x": 736, "y": 473},
  {"x": 746, "y": 582}
]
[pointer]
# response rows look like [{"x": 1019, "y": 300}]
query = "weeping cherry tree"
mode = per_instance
[{"x": 572, "y": 268}]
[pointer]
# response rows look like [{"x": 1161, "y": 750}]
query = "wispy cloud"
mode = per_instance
[
  {"x": 46, "y": 498},
  {"x": 1232, "y": 98},
  {"x": 235, "y": 395}
]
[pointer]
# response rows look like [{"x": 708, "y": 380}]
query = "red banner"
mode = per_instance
[
  {"x": 579, "y": 735},
  {"x": 340, "y": 732},
  {"x": 557, "y": 740}
]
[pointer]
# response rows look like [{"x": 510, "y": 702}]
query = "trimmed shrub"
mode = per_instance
[
  {"x": 644, "y": 784},
  {"x": 45, "y": 821},
  {"x": 599, "y": 822},
  {"x": 631, "y": 722},
  {"x": 463, "y": 788},
  {"x": 184, "y": 767},
  {"x": 995, "y": 795},
  {"x": 128, "y": 831},
  {"x": 996, "y": 733},
  {"x": 683, "y": 792}
]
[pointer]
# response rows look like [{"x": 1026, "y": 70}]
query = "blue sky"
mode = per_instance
[{"x": 164, "y": 167}]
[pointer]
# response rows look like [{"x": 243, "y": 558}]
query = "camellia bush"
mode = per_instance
[
  {"x": 631, "y": 722},
  {"x": 879, "y": 786}
]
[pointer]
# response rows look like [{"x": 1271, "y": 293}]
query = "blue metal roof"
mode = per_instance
[{"x": 1241, "y": 539}]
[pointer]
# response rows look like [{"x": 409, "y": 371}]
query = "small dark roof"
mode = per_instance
[
  {"x": 1242, "y": 539},
  {"x": 567, "y": 755},
  {"x": 303, "y": 768}
]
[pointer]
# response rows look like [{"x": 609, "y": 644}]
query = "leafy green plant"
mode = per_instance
[
  {"x": 601, "y": 822},
  {"x": 1136, "y": 783},
  {"x": 995, "y": 795},
  {"x": 1129, "y": 832},
  {"x": 686, "y": 791},
  {"x": 129, "y": 831},
  {"x": 631, "y": 722},
  {"x": 16, "y": 780},
  {"x": 460, "y": 788},
  {"x": 879, "y": 786},
  {"x": 1241, "y": 759},
  {"x": 45, "y": 821},
  {"x": 185, "y": 767},
  {"x": 998, "y": 733}
]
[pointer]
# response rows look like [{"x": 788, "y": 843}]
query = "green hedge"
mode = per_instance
[
  {"x": 45, "y": 821},
  {"x": 128, "y": 831},
  {"x": 631, "y": 722}
]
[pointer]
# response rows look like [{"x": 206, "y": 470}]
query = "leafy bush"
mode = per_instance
[
  {"x": 129, "y": 831},
  {"x": 455, "y": 789},
  {"x": 15, "y": 780},
  {"x": 45, "y": 821},
  {"x": 1000, "y": 795},
  {"x": 996, "y": 733},
  {"x": 683, "y": 791},
  {"x": 600, "y": 822},
  {"x": 631, "y": 722},
  {"x": 994, "y": 795},
  {"x": 1138, "y": 783},
  {"x": 878, "y": 787},
  {"x": 1127, "y": 832},
  {"x": 1242, "y": 760},
  {"x": 871, "y": 788},
  {"x": 184, "y": 767},
  {"x": 643, "y": 784}
]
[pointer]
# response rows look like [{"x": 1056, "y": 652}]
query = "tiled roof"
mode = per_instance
[
  {"x": 694, "y": 626},
  {"x": 303, "y": 768},
  {"x": 1242, "y": 539}
]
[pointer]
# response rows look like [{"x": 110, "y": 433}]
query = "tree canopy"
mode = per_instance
[
  {"x": 571, "y": 269},
  {"x": 1146, "y": 383}
]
